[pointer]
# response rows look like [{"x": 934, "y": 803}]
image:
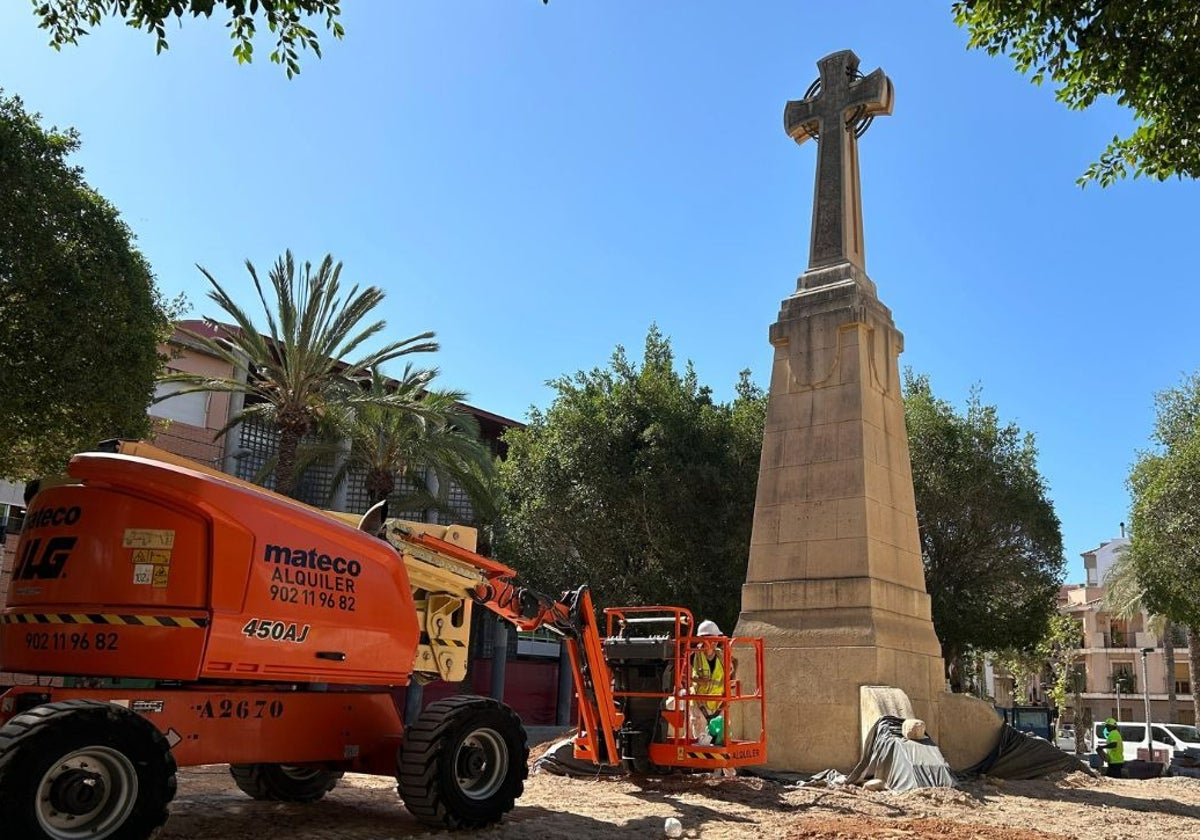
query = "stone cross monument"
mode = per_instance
[{"x": 835, "y": 583}]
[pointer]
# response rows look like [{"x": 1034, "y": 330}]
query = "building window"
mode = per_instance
[
  {"x": 1077, "y": 681},
  {"x": 182, "y": 408},
  {"x": 407, "y": 497},
  {"x": 13, "y": 519},
  {"x": 1183, "y": 682},
  {"x": 1123, "y": 679}
]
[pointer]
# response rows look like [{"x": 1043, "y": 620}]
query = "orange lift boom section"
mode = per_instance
[{"x": 573, "y": 618}]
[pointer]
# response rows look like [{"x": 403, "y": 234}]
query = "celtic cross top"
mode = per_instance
[{"x": 835, "y": 112}]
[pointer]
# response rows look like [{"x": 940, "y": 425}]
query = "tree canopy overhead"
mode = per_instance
[
  {"x": 1165, "y": 484},
  {"x": 637, "y": 483},
  {"x": 1164, "y": 545},
  {"x": 1142, "y": 53},
  {"x": 80, "y": 316},
  {"x": 990, "y": 540},
  {"x": 287, "y": 20}
]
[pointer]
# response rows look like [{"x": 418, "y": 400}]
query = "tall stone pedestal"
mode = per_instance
[{"x": 835, "y": 584}]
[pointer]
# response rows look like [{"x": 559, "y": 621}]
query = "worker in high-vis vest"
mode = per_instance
[
  {"x": 1113, "y": 751},
  {"x": 708, "y": 678}
]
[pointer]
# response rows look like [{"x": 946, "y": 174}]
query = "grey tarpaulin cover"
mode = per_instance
[
  {"x": 1021, "y": 756},
  {"x": 903, "y": 764}
]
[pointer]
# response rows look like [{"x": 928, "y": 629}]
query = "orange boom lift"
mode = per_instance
[{"x": 203, "y": 620}]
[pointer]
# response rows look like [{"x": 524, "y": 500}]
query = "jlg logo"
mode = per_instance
[{"x": 47, "y": 564}]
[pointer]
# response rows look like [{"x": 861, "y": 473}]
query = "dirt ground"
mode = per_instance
[{"x": 366, "y": 808}]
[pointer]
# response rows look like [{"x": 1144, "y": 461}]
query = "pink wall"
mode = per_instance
[{"x": 196, "y": 442}]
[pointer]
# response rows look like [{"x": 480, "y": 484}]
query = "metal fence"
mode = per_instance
[{"x": 258, "y": 444}]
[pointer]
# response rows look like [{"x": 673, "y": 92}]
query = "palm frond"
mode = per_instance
[
  {"x": 1122, "y": 590},
  {"x": 299, "y": 365}
]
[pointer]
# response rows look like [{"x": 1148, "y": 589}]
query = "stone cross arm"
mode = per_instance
[{"x": 840, "y": 92}]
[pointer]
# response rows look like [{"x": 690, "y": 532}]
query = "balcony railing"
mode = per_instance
[{"x": 1124, "y": 682}]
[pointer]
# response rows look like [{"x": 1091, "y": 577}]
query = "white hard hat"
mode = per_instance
[{"x": 708, "y": 628}]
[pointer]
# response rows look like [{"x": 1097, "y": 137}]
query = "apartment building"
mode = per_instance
[{"x": 1116, "y": 676}]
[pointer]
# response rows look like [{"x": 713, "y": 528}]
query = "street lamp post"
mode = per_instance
[{"x": 1146, "y": 689}]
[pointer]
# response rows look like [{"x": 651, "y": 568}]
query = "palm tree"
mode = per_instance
[
  {"x": 399, "y": 429},
  {"x": 300, "y": 367},
  {"x": 1123, "y": 598}
]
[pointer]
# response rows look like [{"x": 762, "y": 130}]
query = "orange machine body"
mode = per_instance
[
  {"x": 151, "y": 570},
  {"x": 231, "y": 602}
]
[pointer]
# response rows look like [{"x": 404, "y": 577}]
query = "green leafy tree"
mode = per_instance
[
  {"x": 973, "y": 663},
  {"x": 301, "y": 367},
  {"x": 635, "y": 482},
  {"x": 1142, "y": 53},
  {"x": 287, "y": 20},
  {"x": 1165, "y": 541},
  {"x": 1024, "y": 667},
  {"x": 1060, "y": 647},
  {"x": 990, "y": 540},
  {"x": 1053, "y": 662},
  {"x": 80, "y": 316}
]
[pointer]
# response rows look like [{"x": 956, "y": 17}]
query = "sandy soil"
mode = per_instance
[{"x": 366, "y": 808}]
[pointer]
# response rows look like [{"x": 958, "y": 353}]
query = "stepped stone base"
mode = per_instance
[{"x": 813, "y": 696}]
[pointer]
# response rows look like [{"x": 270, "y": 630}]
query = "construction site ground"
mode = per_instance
[{"x": 1074, "y": 805}]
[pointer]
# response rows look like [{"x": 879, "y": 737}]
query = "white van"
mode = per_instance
[
  {"x": 1171, "y": 737},
  {"x": 1186, "y": 737}
]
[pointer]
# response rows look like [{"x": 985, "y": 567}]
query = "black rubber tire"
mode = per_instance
[
  {"x": 637, "y": 766},
  {"x": 284, "y": 782},
  {"x": 463, "y": 764},
  {"x": 642, "y": 765},
  {"x": 106, "y": 742}
]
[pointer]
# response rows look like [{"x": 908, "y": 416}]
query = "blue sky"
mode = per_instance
[{"x": 539, "y": 184}]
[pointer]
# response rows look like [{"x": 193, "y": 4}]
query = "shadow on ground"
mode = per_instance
[
  {"x": 233, "y": 816},
  {"x": 357, "y": 820},
  {"x": 1107, "y": 797}
]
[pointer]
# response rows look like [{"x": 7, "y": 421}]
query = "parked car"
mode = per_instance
[
  {"x": 1186, "y": 736},
  {"x": 1171, "y": 737},
  {"x": 1064, "y": 738}
]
